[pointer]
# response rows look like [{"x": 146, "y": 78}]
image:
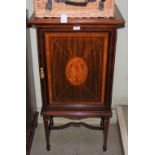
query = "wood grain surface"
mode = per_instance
[{"x": 65, "y": 50}]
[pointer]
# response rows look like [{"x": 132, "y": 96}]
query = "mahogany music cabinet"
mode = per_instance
[{"x": 76, "y": 62}]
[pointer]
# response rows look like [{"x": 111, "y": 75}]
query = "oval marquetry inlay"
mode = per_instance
[{"x": 76, "y": 71}]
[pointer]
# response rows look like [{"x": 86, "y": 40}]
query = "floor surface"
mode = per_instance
[{"x": 76, "y": 141}]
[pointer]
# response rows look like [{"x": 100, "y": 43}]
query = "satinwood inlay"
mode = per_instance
[{"x": 76, "y": 71}]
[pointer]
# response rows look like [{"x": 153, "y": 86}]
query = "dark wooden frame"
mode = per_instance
[
  {"x": 78, "y": 111},
  {"x": 31, "y": 133}
]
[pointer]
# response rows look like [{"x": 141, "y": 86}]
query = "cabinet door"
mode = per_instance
[{"x": 76, "y": 67}]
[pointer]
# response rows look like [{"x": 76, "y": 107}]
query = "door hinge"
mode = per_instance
[{"x": 42, "y": 75}]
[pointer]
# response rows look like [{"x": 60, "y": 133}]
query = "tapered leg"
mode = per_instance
[
  {"x": 102, "y": 122},
  {"x": 106, "y": 128},
  {"x": 51, "y": 122},
  {"x": 47, "y": 131}
]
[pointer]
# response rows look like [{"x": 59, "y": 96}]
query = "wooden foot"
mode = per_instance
[
  {"x": 48, "y": 147},
  {"x": 47, "y": 131},
  {"x": 106, "y": 128},
  {"x": 104, "y": 148}
]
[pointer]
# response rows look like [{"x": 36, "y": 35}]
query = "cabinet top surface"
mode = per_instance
[{"x": 117, "y": 20}]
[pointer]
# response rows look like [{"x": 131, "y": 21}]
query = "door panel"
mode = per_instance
[{"x": 76, "y": 67}]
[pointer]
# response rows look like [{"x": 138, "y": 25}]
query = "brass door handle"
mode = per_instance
[{"x": 42, "y": 75}]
